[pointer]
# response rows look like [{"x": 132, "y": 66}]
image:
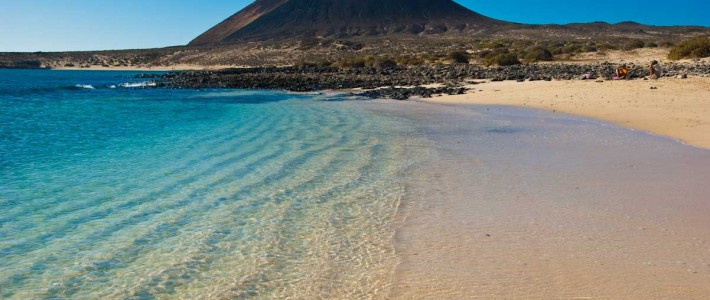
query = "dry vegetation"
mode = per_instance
[
  {"x": 694, "y": 48},
  {"x": 359, "y": 52}
]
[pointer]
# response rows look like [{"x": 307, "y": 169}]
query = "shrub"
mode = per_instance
[
  {"x": 521, "y": 44},
  {"x": 325, "y": 63},
  {"x": 409, "y": 61},
  {"x": 485, "y": 53},
  {"x": 427, "y": 58},
  {"x": 370, "y": 60},
  {"x": 571, "y": 49},
  {"x": 694, "y": 48},
  {"x": 590, "y": 48},
  {"x": 651, "y": 45},
  {"x": 607, "y": 46},
  {"x": 494, "y": 44},
  {"x": 631, "y": 45},
  {"x": 385, "y": 62},
  {"x": 538, "y": 53},
  {"x": 489, "y": 53},
  {"x": 502, "y": 59},
  {"x": 556, "y": 50},
  {"x": 352, "y": 62},
  {"x": 459, "y": 57}
]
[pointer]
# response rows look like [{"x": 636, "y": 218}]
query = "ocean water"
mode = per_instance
[{"x": 112, "y": 191}]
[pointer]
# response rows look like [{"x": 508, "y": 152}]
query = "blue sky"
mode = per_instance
[{"x": 68, "y": 25}]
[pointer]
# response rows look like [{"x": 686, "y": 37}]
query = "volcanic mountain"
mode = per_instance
[{"x": 284, "y": 19}]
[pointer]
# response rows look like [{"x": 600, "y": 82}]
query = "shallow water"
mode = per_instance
[
  {"x": 527, "y": 204},
  {"x": 109, "y": 190},
  {"x": 114, "y": 192}
]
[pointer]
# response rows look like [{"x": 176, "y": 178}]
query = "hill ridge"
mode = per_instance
[
  {"x": 284, "y": 19},
  {"x": 237, "y": 21}
]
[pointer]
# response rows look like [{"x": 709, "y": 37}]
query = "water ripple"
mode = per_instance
[{"x": 229, "y": 200}]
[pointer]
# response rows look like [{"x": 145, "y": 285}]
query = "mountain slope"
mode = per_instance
[
  {"x": 237, "y": 21},
  {"x": 283, "y": 19}
]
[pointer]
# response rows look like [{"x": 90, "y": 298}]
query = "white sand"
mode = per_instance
[
  {"x": 521, "y": 204},
  {"x": 678, "y": 108}
]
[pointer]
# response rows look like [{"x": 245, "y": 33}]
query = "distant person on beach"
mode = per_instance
[
  {"x": 656, "y": 71},
  {"x": 587, "y": 76},
  {"x": 622, "y": 72}
]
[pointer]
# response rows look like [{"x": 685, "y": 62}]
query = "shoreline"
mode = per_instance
[
  {"x": 674, "y": 106},
  {"x": 489, "y": 216},
  {"x": 669, "y": 107}
]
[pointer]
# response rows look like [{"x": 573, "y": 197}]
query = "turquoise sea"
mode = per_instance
[{"x": 109, "y": 190}]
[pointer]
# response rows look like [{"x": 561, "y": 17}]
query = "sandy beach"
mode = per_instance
[
  {"x": 551, "y": 204},
  {"x": 530, "y": 204},
  {"x": 671, "y": 107}
]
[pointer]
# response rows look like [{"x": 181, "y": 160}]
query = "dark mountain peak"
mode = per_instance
[
  {"x": 237, "y": 21},
  {"x": 629, "y": 23},
  {"x": 283, "y": 19}
]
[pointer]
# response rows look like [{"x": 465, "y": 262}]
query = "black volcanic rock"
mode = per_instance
[
  {"x": 399, "y": 82},
  {"x": 283, "y": 19}
]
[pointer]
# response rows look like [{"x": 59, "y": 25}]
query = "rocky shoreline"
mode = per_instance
[{"x": 402, "y": 82}]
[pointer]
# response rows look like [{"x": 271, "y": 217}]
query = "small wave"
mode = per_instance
[
  {"x": 138, "y": 84},
  {"x": 85, "y": 86}
]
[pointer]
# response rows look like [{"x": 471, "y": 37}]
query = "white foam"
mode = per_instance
[
  {"x": 138, "y": 84},
  {"x": 85, "y": 86}
]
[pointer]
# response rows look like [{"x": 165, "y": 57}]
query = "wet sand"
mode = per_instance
[
  {"x": 676, "y": 108},
  {"x": 528, "y": 204}
]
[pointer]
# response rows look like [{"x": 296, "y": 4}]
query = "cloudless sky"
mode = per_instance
[{"x": 69, "y": 25}]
